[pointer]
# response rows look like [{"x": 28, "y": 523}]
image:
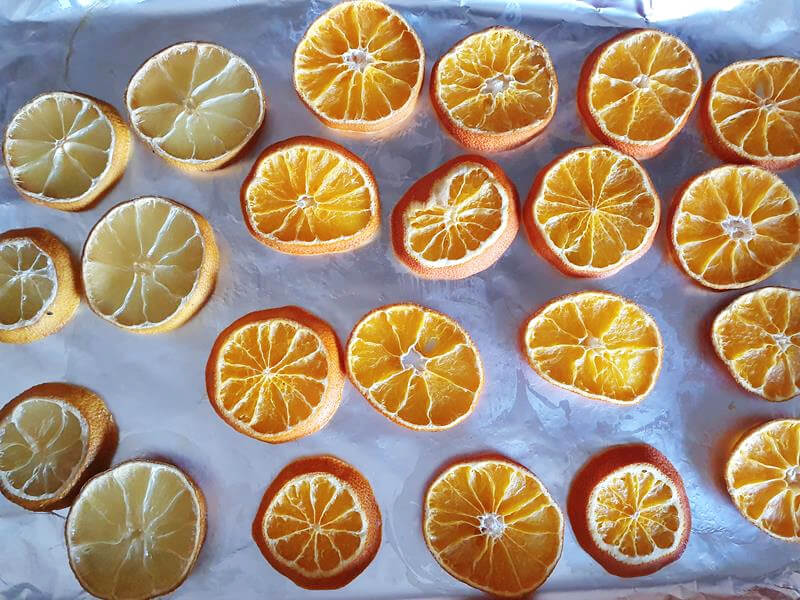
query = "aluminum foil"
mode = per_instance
[{"x": 154, "y": 384}]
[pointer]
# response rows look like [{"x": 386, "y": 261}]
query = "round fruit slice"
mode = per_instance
[
  {"x": 319, "y": 523},
  {"x": 276, "y": 375},
  {"x": 757, "y": 336},
  {"x": 629, "y": 510},
  {"x": 196, "y": 105},
  {"x": 752, "y": 112},
  {"x": 38, "y": 289},
  {"x": 735, "y": 226},
  {"x": 457, "y": 220},
  {"x": 416, "y": 366},
  {"x": 359, "y": 67},
  {"x": 493, "y": 525},
  {"x": 592, "y": 212},
  {"x": 595, "y": 344},
  {"x": 495, "y": 89},
  {"x": 149, "y": 264},
  {"x": 306, "y": 195},
  {"x": 65, "y": 150},
  {"x": 135, "y": 531},
  {"x": 637, "y": 91},
  {"x": 52, "y": 436}
]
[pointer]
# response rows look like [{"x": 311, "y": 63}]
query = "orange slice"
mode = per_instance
[
  {"x": 595, "y": 344},
  {"x": 752, "y": 112},
  {"x": 307, "y": 195},
  {"x": 495, "y": 89},
  {"x": 359, "y": 66},
  {"x": 416, "y": 366},
  {"x": 629, "y": 510},
  {"x": 457, "y": 220},
  {"x": 637, "y": 90},
  {"x": 492, "y": 524},
  {"x": 592, "y": 212},
  {"x": 757, "y": 336},
  {"x": 735, "y": 226},
  {"x": 319, "y": 523},
  {"x": 276, "y": 375}
]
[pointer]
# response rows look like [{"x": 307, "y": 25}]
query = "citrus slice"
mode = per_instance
[
  {"x": 276, "y": 375},
  {"x": 637, "y": 90},
  {"x": 457, "y": 220},
  {"x": 492, "y": 524},
  {"x": 595, "y": 344},
  {"x": 38, "y": 285},
  {"x": 592, "y": 212},
  {"x": 135, "y": 531},
  {"x": 416, "y": 366},
  {"x": 307, "y": 195},
  {"x": 763, "y": 478},
  {"x": 319, "y": 523},
  {"x": 196, "y": 105},
  {"x": 629, "y": 510},
  {"x": 51, "y": 437},
  {"x": 757, "y": 336},
  {"x": 752, "y": 112},
  {"x": 149, "y": 264},
  {"x": 359, "y": 67},
  {"x": 734, "y": 226},
  {"x": 495, "y": 89}
]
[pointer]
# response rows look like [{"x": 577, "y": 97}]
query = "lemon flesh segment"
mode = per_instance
[{"x": 28, "y": 283}]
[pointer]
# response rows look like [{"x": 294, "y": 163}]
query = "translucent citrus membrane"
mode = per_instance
[
  {"x": 736, "y": 225},
  {"x": 28, "y": 283},
  {"x": 316, "y": 525},
  {"x": 359, "y": 62},
  {"x": 643, "y": 86},
  {"x": 417, "y": 366},
  {"x": 43, "y": 443}
]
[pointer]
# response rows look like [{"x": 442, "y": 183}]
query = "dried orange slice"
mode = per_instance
[
  {"x": 416, "y": 366},
  {"x": 592, "y": 212},
  {"x": 306, "y": 195},
  {"x": 457, "y": 220},
  {"x": 495, "y": 89},
  {"x": 276, "y": 375},
  {"x": 319, "y": 523},
  {"x": 492, "y": 524},
  {"x": 629, "y": 510},
  {"x": 595, "y": 344},
  {"x": 752, "y": 112},
  {"x": 734, "y": 226},
  {"x": 637, "y": 90},
  {"x": 757, "y": 336},
  {"x": 359, "y": 66}
]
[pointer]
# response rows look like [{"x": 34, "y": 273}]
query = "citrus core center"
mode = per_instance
[
  {"x": 413, "y": 360},
  {"x": 792, "y": 477},
  {"x": 491, "y": 524},
  {"x": 305, "y": 201},
  {"x": 782, "y": 340},
  {"x": 641, "y": 81},
  {"x": 497, "y": 84},
  {"x": 739, "y": 228},
  {"x": 357, "y": 59}
]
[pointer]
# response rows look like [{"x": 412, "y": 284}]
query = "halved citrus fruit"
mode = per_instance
[
  {"x": 637, "y": 90},
  {"x": 595, "y": 344},
  {"x": 359, "y": 66},
  {"x": 306, "y": 195},
  {"x": 416, "y": 366},
  {"x": 149, "y": 264},
  {"x": 135, "y": 531},
  {"x": 751, "y": 112},
  {"x": 38, "y": 285},
  {"x": 757, "y": 336},
  {"x": 495, "y": 89},
  {"x": 457, "y": 220},
  {"x": 492, "y": 524},
  {"x": 319, "y": 523},
  {"x": 592, "y": 212},
  {"x": 52, "y": 436},
  {"x": 196, "y": 105},
  {"x": 629, "y": 510},
  {"x": 734, "y": 226},
  {"x": 64, "y": 150}
]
